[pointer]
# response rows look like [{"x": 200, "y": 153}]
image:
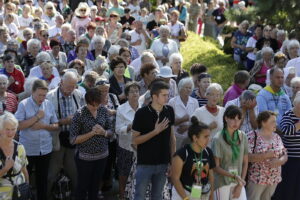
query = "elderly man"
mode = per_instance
[
  {"x": 272, "y": 97},
  {"x": 55, "y": 31},
  {"x": 247, "y": 103},
  {"x": 66, "y": 100},
  {"x": 3, "y": 38}
]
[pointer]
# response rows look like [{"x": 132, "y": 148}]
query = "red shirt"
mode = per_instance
[{"x": 18, "y": 86}]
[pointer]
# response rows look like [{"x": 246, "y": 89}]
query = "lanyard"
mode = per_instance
[
  {"x": 276, "y": 100},
  {"x": 199, "y": 166}
]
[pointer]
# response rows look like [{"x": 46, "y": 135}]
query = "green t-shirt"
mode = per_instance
[{"x": 223, "y": 151}]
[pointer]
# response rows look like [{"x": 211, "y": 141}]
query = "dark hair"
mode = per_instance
[
  {"x": 259, "y": 26},
  {"x": 93, "y": 96},
  {"x": 241, "y": 77},
  {"x": 127, "y": 10},
  {"x": 263, "y": 117},
  {"x": 203, "y": 75},
  {"x": 231, "y": 112},
  {"x": 54, "y": 43},
  {"x": 10, "y": 51},
  {"x": 197, "y": 68},
  {"x": 7, "y": 57},
  {"x": 196, "y": 128},
  {"x": 124, "y": 49},
  {"x": 74, "y": 62},
  {"x": 39, "y": 84},
  {"x": 115, "y": 61},
  {"x": 146, "y": 68},
  {"x": 132, "y": 84},
  {"x": 157, "y": 85}
]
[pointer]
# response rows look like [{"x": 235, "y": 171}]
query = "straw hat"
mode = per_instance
[{"x": 83, "y": 10}]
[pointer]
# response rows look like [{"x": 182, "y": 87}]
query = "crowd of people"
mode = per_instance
[{"x": 95, "y": 91}]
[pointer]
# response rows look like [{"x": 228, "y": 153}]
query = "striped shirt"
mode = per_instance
[
  {"x": 291, "y": 137},
  {"x": 11, "y": 102},
  {"x": 201, "y": 101}
]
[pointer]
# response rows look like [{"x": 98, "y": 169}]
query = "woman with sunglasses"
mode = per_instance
[
  {"x": 44, "y": 38},
  {"x": 81, "y": 19},
  {"x": 49, "y": 14},
  {"x": 113, "y": 28}
]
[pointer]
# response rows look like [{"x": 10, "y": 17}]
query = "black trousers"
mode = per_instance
[
  {"x": 40, "y": 164},
  {"x": 111, "y": 161},
  {"x": 89, "y": 175},
  {"x": 289, "y": 187}
]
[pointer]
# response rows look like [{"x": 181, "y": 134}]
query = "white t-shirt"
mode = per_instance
[
  {"x": 53, "y": 31},
  {"x": 175, "y": 30},
  {"x": 134, "y": 10},
  {"x": 204, "y": 116},
  {"x": 136, "y": 64},
  {"x": 13, "y": 30},
  {"x": 251, "y": 43},
  {"x": 135, "y": 36},
  {"x": 157, "y": 47},
  {"x": 37, "y": 72},
  {"x": 25, "y": 21},
  {"x": 294, "y": 63}
]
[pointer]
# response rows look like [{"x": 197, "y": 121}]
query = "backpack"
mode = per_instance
[{"x": 61, "y": 189}]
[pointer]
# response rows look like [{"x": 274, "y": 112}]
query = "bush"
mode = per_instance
[{"x": 197, "y": 50}]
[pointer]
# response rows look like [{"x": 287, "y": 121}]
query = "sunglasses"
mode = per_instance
[
  {"x": 82, "y": 10},
  {"x": 102, "y": 82},
  {"x": 50, "y": 8},
  {"x": 46, "y": 35},
  {"x": 113, "y": 16}
]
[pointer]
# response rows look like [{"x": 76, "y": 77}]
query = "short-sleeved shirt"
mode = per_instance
[
  {"x": 36, "y": 142},
  {"x": 6, "y": 187},
  {"x": 241, "y": 39},
  {"x": 219, "y": 16},
  {"x": 223, "y": 151},
  {"x": 83, "y": 122},
  {"x": 201, "y": 101},
  {"x": 189, "y": 171},
  {"x": 260, "y": 172},
  {"x": 156, "y": 150}
]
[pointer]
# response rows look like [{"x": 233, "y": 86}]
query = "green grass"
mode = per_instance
[{"x": 198, "y": 50}]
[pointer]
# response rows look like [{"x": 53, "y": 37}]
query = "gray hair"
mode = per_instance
[
  {"x": 8, "y": 117},
  {"x": 124, "y": 41},
  {"x": 245, "y": 22},
  {"x": 146, "y": 55},
  {"x": 66, "y": 26},
  {"x": 295, "y": 80},
  {"x": 280, "y": 32},
  {"x": 292, "y": 43},
  {"x": 5, "y": 78},
  {"x": 98, "y": 38},
  {"x": 185, "y": 81},
  {"x": 32, "y": 42},
  {"x": 175, "y": 56},
  {"x": 267, "y": 50},
  {"x": 28, "y": 84},
  {"x": 69, "y": 75},
  {"x": 247, "y": 95},
  {"x": 164, "y": 27},
  {"x": 214, "y": 86},
  {"x": 297, "y": 98},
  {"x": 114, "y": 49},
  {"x": 42, "y": 57}
]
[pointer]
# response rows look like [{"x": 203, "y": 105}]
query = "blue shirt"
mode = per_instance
[
  {"x": 273, "y": 102},
  {"x": 36, "y": 142},
  {"x": 241, "y": 39}
]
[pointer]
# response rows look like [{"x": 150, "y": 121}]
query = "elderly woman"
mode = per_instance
[
  {"x": 97, "y": 45},
  {"x": 8, "y": 101},
  {"x": 49, "y": 14},
  {"x": 184, "y": 106},
  {"x": 230, "y": 149},
  {"x": 124, "y": 119},
  {"x": 82, "y": 52},
  {"x": 258, "y": 74},
  {"x": 113, "y": 28},
  {"x": 211, "y": 114},
  {"x": 118, "y": 80},
  {"x": 293, "y": 49},
  {"x": 89, "y": 132},
  {"x": 13, "y": 157},
  {"x": 176, "y": 61},
  {"x": 239, "y": 41},
  {"x": 78, "y": 65},
  {"x": 27, "y": 35},
  {"x": 295, "y": 85},
  {"x": 125, "y": 53},
  {"x": 57, "y": 57},
  {"x": 47, "y": 75},
  {"x": 81, "y": 18},
  {"x": 204, "y": 81},
  {"x": 266, "y": 155},
  {"x": 33, "y": 48},
  {"x": 164, "y": 47},
  {"x": 37, "y": 118},
  {"x": 178, "y": 32}
]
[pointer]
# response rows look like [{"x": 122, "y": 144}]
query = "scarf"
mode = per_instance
[
  {"x": 233, "y": 142},
  {"x": 269, "y": 89}
]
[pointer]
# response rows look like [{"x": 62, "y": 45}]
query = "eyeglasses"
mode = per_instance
[
  {"x": 50, "y": 8},
  {"x": 46, "y": 35},
  {"x": 82, "y": 10}
]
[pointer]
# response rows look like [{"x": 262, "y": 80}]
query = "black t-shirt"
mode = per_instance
[
  {"x": 156, "y": 150},
  {"x": 152, "y": 24},
  {"x": 270, "y": 42},
  {"x": 219, "y": 16},
  {"x": 124, "y": 20},
  {"x": 189, "y": 170}
]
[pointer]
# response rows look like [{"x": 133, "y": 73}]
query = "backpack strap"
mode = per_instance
[
  {"x": 255, "y": 139},
  {"x": 9, "y": 174},
  {"x": 111, "y": 96}
]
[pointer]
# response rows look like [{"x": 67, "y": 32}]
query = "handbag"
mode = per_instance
[{"x": 253, "y": 151}]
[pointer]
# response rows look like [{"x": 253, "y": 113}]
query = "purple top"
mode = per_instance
[{"x": 232, "y": 92}]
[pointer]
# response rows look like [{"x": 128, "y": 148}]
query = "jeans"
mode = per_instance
[{"x": 154, "y": 174}]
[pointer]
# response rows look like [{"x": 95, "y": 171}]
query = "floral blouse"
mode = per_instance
[
  {"x": 20, "y": 162},
  {"x": 259, "y": 172}
]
